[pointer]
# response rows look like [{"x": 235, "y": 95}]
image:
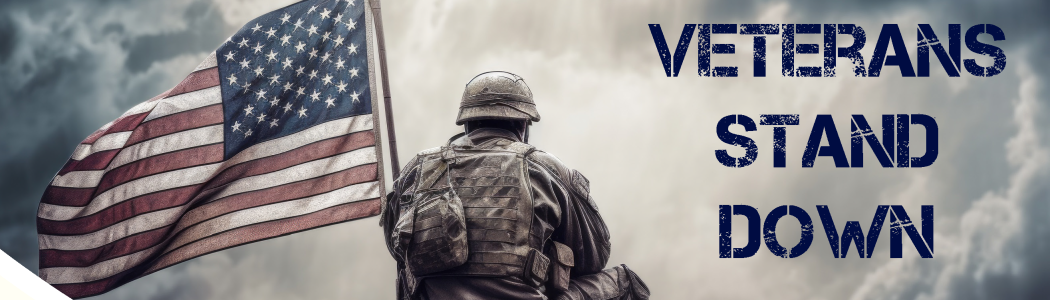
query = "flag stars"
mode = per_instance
[
  {"x": 354, "y": 96},
  {"x": 341, "y": 86},
  {"x": 339, "y": 64},
  {"x": 351, "y": 25},
  {"x": 306, "y": 88},
  {"x": 298, "y": 25}
]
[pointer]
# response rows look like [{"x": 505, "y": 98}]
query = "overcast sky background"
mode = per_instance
[{"x": 645, "y": 141}]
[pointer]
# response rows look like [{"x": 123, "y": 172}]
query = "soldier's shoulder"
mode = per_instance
[
  {"x": 551, "y": 163},
  {"x": 419, "y": 158},
  {"x": 571, "y": 178},
  {"x": 429, "y": 151}
]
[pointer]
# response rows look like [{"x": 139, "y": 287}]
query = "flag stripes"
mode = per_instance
[
  {"x": 142, "y": 220},
  {"x": 260, "y": 231},
  {"x": 95, "y": 161},
  {"x": 203, "y": 78},
  {"x": 125, "y": 122},
  {"x": 106, "y": 142},
  {"x": 187, "y": 101},
  {"x": 115, "y": 208},
  {"x": 247, "y": 234},
  {"x": 264, "y": 138}
]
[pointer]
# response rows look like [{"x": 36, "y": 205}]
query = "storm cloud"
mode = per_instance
[{"x": 645, "y": 141}]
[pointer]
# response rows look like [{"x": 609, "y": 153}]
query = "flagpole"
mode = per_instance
[{"x": 381, "y": 43}]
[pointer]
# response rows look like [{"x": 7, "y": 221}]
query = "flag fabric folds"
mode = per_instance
[{"x": 274, "y": 133}]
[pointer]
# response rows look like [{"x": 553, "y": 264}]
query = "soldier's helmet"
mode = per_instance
[{"x": 497, "y": 95}]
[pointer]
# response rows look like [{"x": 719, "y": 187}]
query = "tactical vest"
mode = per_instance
[{"x": 493, "y": 187}]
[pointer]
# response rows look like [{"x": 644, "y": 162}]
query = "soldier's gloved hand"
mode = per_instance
[{"x": 617, "y": 283}]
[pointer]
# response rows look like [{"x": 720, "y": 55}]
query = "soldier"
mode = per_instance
[{"x": 488, "y": 216}]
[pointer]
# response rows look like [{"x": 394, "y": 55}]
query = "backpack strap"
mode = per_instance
[{"x": 431, "y": 170}]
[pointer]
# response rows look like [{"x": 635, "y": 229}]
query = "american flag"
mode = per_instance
[{"x": 273, "y": 134}]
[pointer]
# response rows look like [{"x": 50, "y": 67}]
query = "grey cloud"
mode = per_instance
[
  {"x": 205, "y": 29},
  {"x": 187, "y": 289},
  {"x": 645, "y": 141},
  {"x": 997, "y": 245},
  {"x": 975, "y": 120},
  {"x": 8, "y": 39}
]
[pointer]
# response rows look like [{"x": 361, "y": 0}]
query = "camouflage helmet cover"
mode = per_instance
[{"x": 497, "y": 95}]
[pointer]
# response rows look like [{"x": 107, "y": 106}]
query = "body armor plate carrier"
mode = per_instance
[{"x": 491, "y": 185}]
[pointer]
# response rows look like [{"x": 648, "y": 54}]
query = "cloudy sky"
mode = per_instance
[{"x": 645, "y": 141}]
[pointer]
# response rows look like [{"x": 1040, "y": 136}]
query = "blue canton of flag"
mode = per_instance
[{"x": 296, "y": 67}]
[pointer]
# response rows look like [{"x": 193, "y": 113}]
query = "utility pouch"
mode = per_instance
[
  {"x": 562, "y": 264},
  {"x": 431, "y": 232},
  {"x": 536, "y": 268}
]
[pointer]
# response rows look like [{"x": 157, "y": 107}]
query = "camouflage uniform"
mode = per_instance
[{"x": 531, "y": 229}]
